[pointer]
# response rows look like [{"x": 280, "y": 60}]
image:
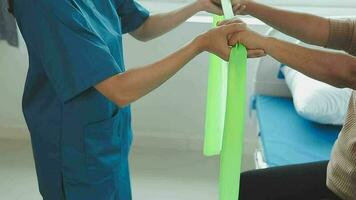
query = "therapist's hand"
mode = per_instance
[
  {"x": 253, "y": 41},
  {"x": 216, "y": 40},
  {"x": 214, "y": 6}
]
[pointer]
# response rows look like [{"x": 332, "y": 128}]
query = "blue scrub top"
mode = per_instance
[{"x": 80, "y": 139}]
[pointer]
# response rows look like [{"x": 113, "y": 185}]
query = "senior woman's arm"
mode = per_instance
[
  {"x": 342, "y": 35},
  {"x": 309, "y": 28},
  {"x": 332, "y": 33},
  {"x": 338, "y": 69}
]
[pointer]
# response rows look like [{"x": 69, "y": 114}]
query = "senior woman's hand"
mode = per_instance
[
  {"x": 239, "y": 6},
  {"x": 253, "y": 41}
]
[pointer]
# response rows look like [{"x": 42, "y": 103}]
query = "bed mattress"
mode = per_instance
[{"x": 288, "y": 138}]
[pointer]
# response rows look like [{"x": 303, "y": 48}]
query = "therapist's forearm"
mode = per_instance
[
  {"x": 159, "y": 24},
  {"x": 308, "y": 28},
  {"x": 127, "y": 87},
  {"x": 336, "y": 69}
]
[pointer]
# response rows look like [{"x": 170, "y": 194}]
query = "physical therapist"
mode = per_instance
[{"x": 77, "y": 93}]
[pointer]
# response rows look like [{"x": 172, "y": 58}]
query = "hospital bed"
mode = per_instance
[{"x": 284, "y": 137}]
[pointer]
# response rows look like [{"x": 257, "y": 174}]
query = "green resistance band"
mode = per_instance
[
  {"x": 233, "y": 138},
  {"x": 216, "y": 103},
  {"x": 225, "y": 115}
]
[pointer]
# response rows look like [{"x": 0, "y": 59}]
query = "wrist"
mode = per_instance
[
  {"x": 197, "y": 6},
  {"x": 198, "y": 44},
  {"x": 248, "y": 4},
  {"x": 268, "y": 43}
]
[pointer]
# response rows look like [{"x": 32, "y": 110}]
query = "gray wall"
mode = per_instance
[
  {"x": 171, "y": 116},
  {"x": 13, "y": 69},
  {"x": 175, "y": 110}
]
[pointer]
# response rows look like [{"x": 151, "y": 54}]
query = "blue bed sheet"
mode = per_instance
[{"x": 288, "y": 138}]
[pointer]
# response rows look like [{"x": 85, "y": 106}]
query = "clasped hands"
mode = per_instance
[
  {"x": 254, "y": 42},
  {"x": 229, "y": 32}
]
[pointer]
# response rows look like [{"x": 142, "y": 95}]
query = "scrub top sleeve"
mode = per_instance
[
  {"x": 74, "y": 57},
  {"x": 132, "y": 15}
]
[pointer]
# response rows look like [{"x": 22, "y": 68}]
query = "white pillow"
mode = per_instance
[{"x": 315, "y": 100}]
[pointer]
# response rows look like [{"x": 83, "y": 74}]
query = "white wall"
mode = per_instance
[
  {"x": 319, "y": 3},
  {"x": 13, "y": 70},
  {"x": 319, "y": 7},
  {"x": 174, "y": 112},
  {"x": 171, "y": 116}
]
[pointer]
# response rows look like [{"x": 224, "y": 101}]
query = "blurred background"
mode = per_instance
[{"x": 166, "y": 159}]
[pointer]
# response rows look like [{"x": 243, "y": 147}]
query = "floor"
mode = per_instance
[
  {"x": 17, "y": 171},
  {"x": 158, "y": 174}
]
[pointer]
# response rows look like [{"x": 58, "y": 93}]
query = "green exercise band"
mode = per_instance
[
  {"x": 216, "y": 103},
  {"x": 225, "y": 115},
  {"x": 232, "y": 147}
]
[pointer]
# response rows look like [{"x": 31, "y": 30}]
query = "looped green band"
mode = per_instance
[{"x": 225, "y": 114}]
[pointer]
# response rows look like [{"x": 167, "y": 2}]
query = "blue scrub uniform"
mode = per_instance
[{"x": 80, "y": 139}]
